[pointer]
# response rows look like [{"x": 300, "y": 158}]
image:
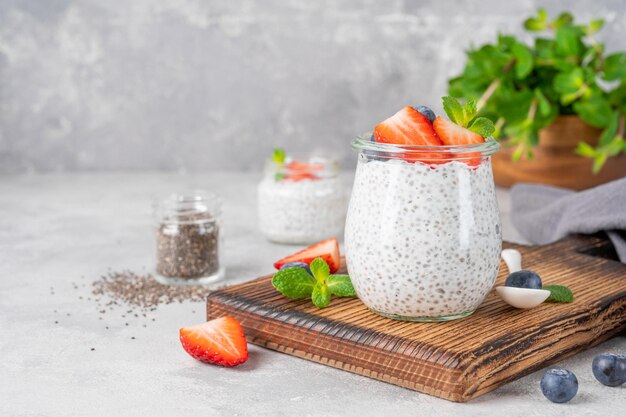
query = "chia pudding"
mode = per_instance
[
  {"x": 304, "y": 206},
  {"x": 422, "y": 241}
]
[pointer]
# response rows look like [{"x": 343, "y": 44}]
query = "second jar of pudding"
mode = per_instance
[
  {"x": 301, "y": 200},
  {"x": 423, "y": 235}
]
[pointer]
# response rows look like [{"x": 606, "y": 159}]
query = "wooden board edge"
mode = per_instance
[{"x": 277, "y": 341}]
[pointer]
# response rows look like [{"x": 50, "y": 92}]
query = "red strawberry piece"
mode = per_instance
[
  {"x": 299, "y": 176},
  {"x": 407, "y": 127},
  {"x": 328, "y": 250},
  {"x": 220, "y": 342},
  {"x": 303, "y": 166},
  {"x": 453, "y": 134}
]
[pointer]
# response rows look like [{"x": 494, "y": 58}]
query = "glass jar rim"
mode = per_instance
[
  {"x": 320, "y": 166},
  {"x": 364, "y": 143},
  {"x": 177, "y": 205}
]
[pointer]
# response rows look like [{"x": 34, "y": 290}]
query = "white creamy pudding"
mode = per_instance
[
  {"x": 422, "y": 241},
  {"x": 303, "y": 211}
]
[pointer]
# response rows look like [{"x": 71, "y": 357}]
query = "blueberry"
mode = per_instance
[
  {"x": 524, "y": 279},
  {"x": 302, "y": 265},
  {"x": 559, "y": 385},
  {"x": 372, "y": 139},
  {"x": 609, "y": 369},
  {"x": 426, "y": 111}
]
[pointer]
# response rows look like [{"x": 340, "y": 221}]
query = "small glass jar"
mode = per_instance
[
  {"x": 423, "y": 235},
  {"x": 188, "y": 239},
  {"x": 301, "y": 201}
]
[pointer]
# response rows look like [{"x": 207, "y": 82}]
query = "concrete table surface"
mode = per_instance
[{"x": 60, "y": 232}]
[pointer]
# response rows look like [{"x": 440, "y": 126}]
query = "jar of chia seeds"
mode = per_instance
[
  {"x": 188, "y": 238},
  {"x": 301, "y": 199}
]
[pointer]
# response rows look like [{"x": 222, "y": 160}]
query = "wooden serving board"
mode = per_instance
[{"x": 456, "y": 360}]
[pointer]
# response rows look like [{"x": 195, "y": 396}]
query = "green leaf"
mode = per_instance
[
  {"x": 319, "y": 269},
  {"x": 340, "y": 285},
  {"x": 293, "y": 283},
  {"x": 559, "y": 294},
  {"x": 537, "y": 23},
  {"x": 596, "y": 111},
  {"x": 594, "y": 26},
  {"x": 321, "y": 295},
  {"x": 543, "y": 104},
  {"x": 523, "y": 60},
  {"x": 453, "y": 109},
  {"x": 585, "y": 149},
  {"x": 483, "y": 126},
  {"x": 278, "y": 156},
  {"x": 611, "y": 129},
  {"x": 569, "y": 82},
  {"x": 568, "y": 41},
  {"x": 598, "y": 162},
  {"x": 564, "y": 18},
  {"x": 469, "y": 110},
  {"x": 615, "y": 66}
]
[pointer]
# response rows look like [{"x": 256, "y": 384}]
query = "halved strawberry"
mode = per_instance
[
  {"x": 328, "y": 250},
  {"x": 453, "y": 134},
  {"x": 220, "y": 342},
  {"x": 407, "y": 127},
  {"x": 299, "y": 176},
  {"x": 303, "y": 166}
]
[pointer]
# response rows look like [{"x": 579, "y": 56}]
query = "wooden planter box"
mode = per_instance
[{"x": 555, "y": 162}]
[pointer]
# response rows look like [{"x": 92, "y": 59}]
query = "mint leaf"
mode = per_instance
[
  {"x": 483, "y": 126},
  {"x": 453, "y": 109},
  {"x": 319, "y": 269},
  {"x": 340, "y": 285},
  {"x": 559, "y": 294},
  {"x": 321, "y": 295},
  {"x": 595, "y": 110},
  {"x": 469, "y": 111},
  {"x": 615, "y": 66},
  {"x": 293, "y": 283},
  {"x": 278, "y": 156},
  {"x": 523, "y": 60},
  {"x": 569, "y": 81}
]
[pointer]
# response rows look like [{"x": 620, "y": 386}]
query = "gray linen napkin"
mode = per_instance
[{"x": 544, "y": 214}]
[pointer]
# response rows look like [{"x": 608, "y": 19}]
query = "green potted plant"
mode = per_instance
[{"x": 559, "y": 103}]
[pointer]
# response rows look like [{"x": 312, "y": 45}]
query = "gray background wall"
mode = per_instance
[{"x": 200, "y": 84}]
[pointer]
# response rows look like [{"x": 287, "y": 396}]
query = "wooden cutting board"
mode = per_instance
[{"x": 456, "y": 360}]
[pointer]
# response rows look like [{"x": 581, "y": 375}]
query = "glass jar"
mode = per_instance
[
  {"x": 188, "y": 238},
  {"x": 423, "y": 235},
  {"x": 301, "y": 201}
]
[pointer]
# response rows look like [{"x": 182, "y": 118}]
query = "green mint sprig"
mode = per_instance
[
  {"x": 278, "y": 157},
  {"x": 296, "y": 283},
  {"x": 559, "y": 294},
  {"x": 465, "y": 116}
]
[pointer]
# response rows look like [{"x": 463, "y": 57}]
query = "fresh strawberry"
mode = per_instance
[
  {"x": 220, "y": 342},
  {"x": 407, "y": 127},
  {"x": 453, "y": 134},
  {"x": 328, "y": 250},
  {"x": 299, "y": 176},
  {"x": 303, "y": 166}
]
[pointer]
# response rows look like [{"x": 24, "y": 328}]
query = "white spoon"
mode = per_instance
[{"x": 519, "y": 297}]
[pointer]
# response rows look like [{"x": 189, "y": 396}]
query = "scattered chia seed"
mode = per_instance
[{"x": 141, "y": 292}]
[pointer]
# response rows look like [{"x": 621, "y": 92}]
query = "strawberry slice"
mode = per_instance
[
  {"x": 299, "y": 176},
  {"x": 328, "y": 250},
  {"x": 303, "y": 166},
  {"x": 220, "y": 342},
  {"x": 407, "y": 127},
  {"x": 453, "y": 134}
]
